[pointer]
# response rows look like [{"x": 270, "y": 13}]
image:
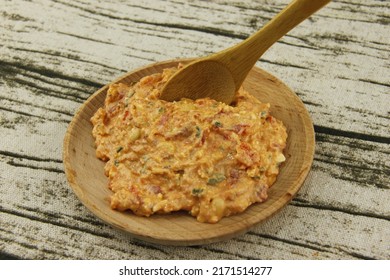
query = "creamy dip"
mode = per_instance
[{"x": 204, "y": 157}]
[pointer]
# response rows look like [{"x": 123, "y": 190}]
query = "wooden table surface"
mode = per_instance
[{"x": 55, "y": 54}]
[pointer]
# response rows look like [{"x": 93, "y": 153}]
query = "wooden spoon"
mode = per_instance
[{"x": 220, "y": 75}]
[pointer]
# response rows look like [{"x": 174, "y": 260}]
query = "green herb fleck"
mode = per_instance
[
  {"x": 119, "y": 149},
  {"x": 116, "y": 162},
  {"x": 217, "y": 178},
  {"x": 161, "y": 110},
  {"x": 130, "y": 93},
  {"x": 198, "y": 131},
  {"x": 217, "y": 124},
  {"x": 197, "y": 192},
  {"x": 127, "y": 101}
]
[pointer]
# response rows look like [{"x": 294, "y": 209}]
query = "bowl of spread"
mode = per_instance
[{"x": 188, "y": 172}]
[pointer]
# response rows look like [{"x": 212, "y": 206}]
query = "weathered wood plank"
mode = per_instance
[
  {"x": 364, "y": 206},
  {"x": 50, "y": 239},
  {"x": 344, "y": 238},
  {"x": 188, "y": 31}
]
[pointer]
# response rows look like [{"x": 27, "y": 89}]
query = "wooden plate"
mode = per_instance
[{"x": 86, "y": 176}]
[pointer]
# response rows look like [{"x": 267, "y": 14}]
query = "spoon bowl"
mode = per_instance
[
  {"x": 85, "y": 172},
  {"x": 206, "y": 84}
]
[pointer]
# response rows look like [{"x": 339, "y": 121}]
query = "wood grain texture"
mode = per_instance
[{"x": 55, "y": 54}]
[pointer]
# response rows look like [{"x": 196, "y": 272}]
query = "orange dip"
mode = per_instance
[{"x": 204, "y": 157}]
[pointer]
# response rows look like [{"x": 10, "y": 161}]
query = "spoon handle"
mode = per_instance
[{"x": 241, "y": 58}]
